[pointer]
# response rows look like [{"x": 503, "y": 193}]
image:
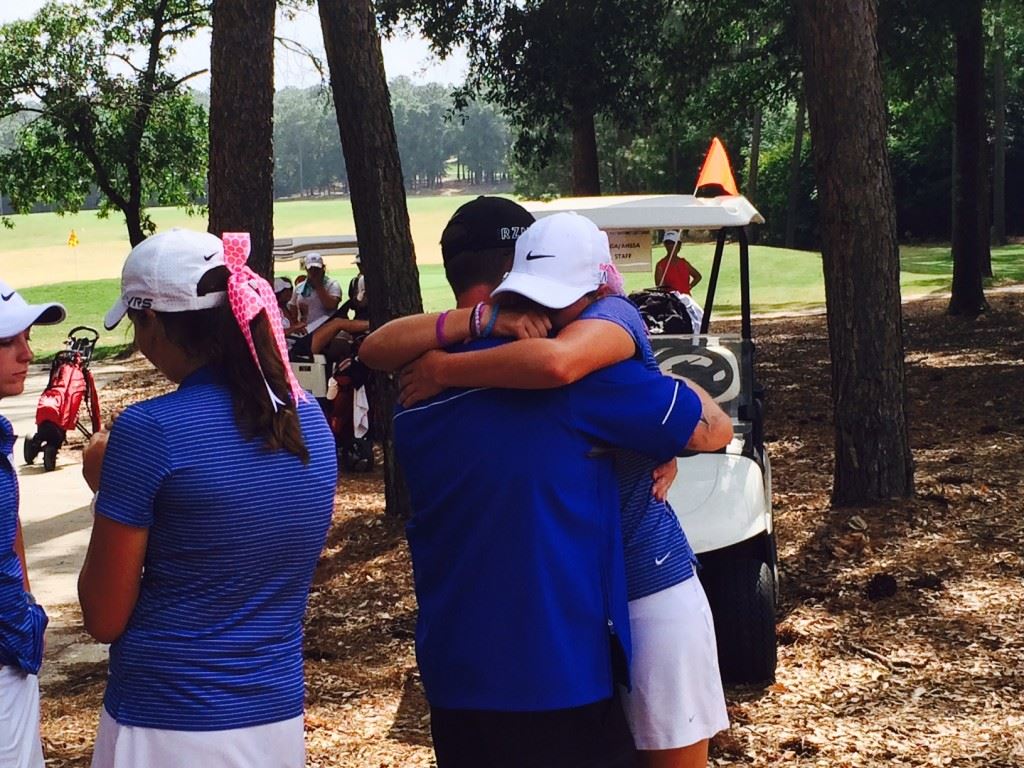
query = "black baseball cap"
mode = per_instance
[{"x": 484, "y": 224}]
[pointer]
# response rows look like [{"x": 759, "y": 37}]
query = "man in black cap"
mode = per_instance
[
  {"x": 515, "y": 675},
  {"x": 477, "y": 248}
]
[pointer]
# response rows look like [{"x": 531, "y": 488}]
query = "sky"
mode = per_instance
[{"x": 407, "y": 56}]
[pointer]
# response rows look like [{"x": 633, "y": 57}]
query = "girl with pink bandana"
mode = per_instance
[{"x": 212, "y": 507}]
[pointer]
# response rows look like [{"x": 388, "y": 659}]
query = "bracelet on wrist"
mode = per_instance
[
  {"x": 442, "y": 342},
  {"x": 478, "y": 312},
  {"x": 490, "y": 323}
]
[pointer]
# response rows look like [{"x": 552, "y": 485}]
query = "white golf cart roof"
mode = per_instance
[
  {"x": 655, "y": 211},
  {"x": 288, "y": 248}
]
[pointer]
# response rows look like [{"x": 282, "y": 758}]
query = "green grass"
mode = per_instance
[
  {"x": 86, "y": 302},
  {"x": 781, "y": 280}
]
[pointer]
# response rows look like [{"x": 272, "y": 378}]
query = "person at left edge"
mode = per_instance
[
  {"x": 22, "y": 622},
  {"x": 212, "y": 508}
]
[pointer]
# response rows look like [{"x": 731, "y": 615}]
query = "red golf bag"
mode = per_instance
[{"x": 70, "y": 383}]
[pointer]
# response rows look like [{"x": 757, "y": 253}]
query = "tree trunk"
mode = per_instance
[
  {"x": 999, "y": 108},
  {"x": 843, "y": 84},
  {"x": 793, "y": 199},
  {"x": 585, "y": 175},
  {"x": 970, "y": 227},
  {"x": 133, "y": 220},
  {"x": 378, "y": 194},
  {"x": 241, "y": 175}
]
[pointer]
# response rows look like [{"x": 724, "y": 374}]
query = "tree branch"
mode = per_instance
[{"x": 296, "y": 47}]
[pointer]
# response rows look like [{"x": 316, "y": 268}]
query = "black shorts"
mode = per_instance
[
  {"x": 302, "y": 348},
  {"x": 592, "y": 736}
]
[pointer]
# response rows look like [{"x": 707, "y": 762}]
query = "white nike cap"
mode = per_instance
[
  {"x": 162, "y": 273},
  {"x": 558, "y": 261},
  {"x": 16, "y": 314}
]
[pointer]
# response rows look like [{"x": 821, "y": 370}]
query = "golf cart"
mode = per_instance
[
  {"x": 723, "y": 499},
  {"x": 339, "y": 389}
]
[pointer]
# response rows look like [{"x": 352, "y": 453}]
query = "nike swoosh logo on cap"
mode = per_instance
[
  {"x": 207, "y": 258},
  {"x": 8, "y": 296},
  {"x": 531, "y": 256}
]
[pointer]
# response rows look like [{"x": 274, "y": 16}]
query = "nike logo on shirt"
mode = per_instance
[
  {"x": 662, "y": 559},
  {"x": 8, "y": 296}
]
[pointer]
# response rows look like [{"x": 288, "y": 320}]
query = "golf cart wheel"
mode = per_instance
[
  {"x": 741, "y": 592},
  {"x": 50, "y": 457},
  {"x": 31, "y": 448}
]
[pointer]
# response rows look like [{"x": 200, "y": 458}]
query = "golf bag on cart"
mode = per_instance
[
  {"x": 349, "y": 412},
  {"x": 70, "y": 383}
]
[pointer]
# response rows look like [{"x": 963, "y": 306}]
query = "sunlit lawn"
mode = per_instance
[{"x": 35, "y": 253}]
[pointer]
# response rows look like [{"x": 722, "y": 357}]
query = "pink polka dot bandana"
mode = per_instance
[{"x": 249, "y": 294}]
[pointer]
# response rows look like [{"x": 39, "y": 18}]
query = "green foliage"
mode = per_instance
[
  {"x": 430, "y": 134},
  {"x": 104, "y": 112},
  {"x": 541, "y": 61}
]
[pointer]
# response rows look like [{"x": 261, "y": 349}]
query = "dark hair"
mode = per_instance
[
  {"x": 214, "y": 335},
  {"x": 468, "y": 268}
]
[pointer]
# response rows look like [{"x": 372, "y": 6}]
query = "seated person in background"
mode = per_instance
[
  {"x": 318, "y": 296},
  {"x": 283, "y": 291},
  {"x": 357, "y": 302},
  {"x": 674, "y": 272}
]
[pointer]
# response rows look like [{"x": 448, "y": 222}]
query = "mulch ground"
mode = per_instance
[{"x": 900, "y": 627}]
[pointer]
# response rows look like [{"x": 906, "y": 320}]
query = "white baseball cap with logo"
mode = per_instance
[
  {"x": 313, "y": 259},
  {"x": 17, "y": 315},
  {"x": 162, "y": 273},
  {"x": 671, "y": 236},
  {"x": 558, "y": 261}
]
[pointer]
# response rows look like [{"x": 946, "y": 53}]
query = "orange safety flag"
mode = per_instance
[{"x": 716, "y": 169}]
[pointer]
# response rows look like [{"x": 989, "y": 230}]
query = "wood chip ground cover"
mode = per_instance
[{"x": 900, "y": 625}]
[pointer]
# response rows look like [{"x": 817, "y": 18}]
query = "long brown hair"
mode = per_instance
[{"x": 214, "y": 336}]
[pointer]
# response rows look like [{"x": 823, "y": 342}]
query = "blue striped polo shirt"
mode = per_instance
[
  {"x": 235, "y": 531},
  {"x": 22, "y": 622},
  {"x": 658, "y": 554}
]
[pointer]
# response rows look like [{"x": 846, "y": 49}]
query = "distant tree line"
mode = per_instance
[{"x": 435, "y": 140}]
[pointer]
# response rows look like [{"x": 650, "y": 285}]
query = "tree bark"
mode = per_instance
[
  {"x": 368, "y": 141},
  {"x": 241, "y": 175},
  {"x": 999, "y": 108},
  {"x": 793, "y": 199},
  {"x": 970, "y": 226},
  {"x": 586, "y": 179},
  {"x": 843, "y": 85}
]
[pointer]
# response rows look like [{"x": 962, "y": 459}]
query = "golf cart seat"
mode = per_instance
[
  {"x": 717, "y": 364},
  {"x": 312, "y": 373}
]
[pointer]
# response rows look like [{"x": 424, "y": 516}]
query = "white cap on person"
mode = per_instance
[
  {"x": 162, "y": 273},
  {"x": 17, "y": 315},
  {"x": 313, "y": 259},
  {"x": 557, "y": 261},
  {"x": 282, "y": 284},
  {"x": 671, "y": 236}
]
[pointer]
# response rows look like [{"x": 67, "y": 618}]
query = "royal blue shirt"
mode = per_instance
[
  {"x": 22, "y": 622},
  {"x": 658, "y": 554},
  {"x": 235, "y": 530},
  {"x": 515, "y": 539}
]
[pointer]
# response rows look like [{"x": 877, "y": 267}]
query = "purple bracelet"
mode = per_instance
[{"x": 442, "y": 342}]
